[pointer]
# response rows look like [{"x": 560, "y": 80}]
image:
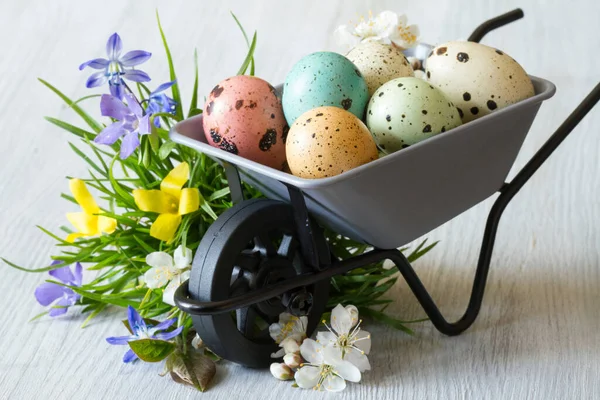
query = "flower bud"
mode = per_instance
[
  {"x": 353, "y": 313},
  {"x": 281, "y": 371},
  {"x": 292, "y": 360},
  {"x": 197, "y": 343},
  {"x": 290, "y": 346}
]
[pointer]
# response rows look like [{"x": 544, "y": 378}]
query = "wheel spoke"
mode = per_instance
[
  {"x": 247, "y": 261},
  {"x": 245, "y": 318},
  {"x": 264, "y": 245},
  {"x": 238, "y": 286},
  {"x": 288, "y": 247}
]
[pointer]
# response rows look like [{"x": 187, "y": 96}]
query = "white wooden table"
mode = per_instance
[{"x": 537, "y": 335}]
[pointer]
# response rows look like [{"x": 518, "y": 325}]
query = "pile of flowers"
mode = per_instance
[
  {"x": 338, "y": 355},
  {"x": 132, "y": 241}
]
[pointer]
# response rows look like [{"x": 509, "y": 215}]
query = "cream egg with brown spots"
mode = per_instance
[
  {"x": 477, "y": 78},
  {"x": 328, "y": 141},
  {"x": 379, "y": 63}
]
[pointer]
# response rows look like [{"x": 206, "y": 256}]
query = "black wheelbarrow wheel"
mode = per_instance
[{"x": 252, "y": 245}]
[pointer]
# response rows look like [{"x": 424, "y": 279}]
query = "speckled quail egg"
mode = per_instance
[
  {"x": 477, "y": 78},
  {"x": 379, "y": 63},
  {"x": 327, "y": 141},
  {"x": 243, "y": 115},
  {"x": 405, "y": 111},
  {"x": 324, "y": 79}
]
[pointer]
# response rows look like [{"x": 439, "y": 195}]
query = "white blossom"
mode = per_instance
[
  {"x": 169, "y": 271},
  {"x": 325, "y": 368},
  {"x": 387, "y": 27}
]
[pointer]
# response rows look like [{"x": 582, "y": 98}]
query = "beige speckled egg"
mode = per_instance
[
  {"x": 379, "y": 63},
  {"x": 477, "y": 78},
  {"x": 327, "y": 141}
]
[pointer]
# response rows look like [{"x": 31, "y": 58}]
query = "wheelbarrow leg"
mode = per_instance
[{"x": 507, "y": 192}]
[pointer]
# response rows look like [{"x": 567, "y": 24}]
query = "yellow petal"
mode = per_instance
[
  {"x": 190, "y": 200},
  {"x": 71, "y": 237},
  {"x": 165, "y": 226},
  {"x": 155, "y": 201},
  {"x": 106, "y": 224},
  {"x": 83, "y": 196},
  {"x": 175, "y": 180},
  {"x": 84, "y": 223}
]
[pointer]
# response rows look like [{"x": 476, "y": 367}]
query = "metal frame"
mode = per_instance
[{"x": 507, "y": 192}]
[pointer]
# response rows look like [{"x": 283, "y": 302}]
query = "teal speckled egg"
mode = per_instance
[
  {"x": 405, "y": 111},
  {"x": 324, "y": 79}
]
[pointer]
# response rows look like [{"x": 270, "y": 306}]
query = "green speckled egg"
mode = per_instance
[
  {"x": 324, "y": 79},
  {"x": 405, "y": 111}
]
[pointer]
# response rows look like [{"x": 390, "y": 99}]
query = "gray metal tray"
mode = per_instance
[{"x": 397, "y": 198}]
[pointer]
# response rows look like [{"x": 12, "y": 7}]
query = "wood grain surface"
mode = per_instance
[{"x": 537, "y": 335}]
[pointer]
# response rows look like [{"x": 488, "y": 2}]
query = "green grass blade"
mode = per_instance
[
  {"x": 237, "y": 21},
  {"x": 194, "y": 102},
  {"x": 172, "y": 75},
  {"x": 96, "y": 127},
  {"x": 82, "y": 133},
  {"x": 87, "y": 159},
  {"x": 249, "y": 56}
]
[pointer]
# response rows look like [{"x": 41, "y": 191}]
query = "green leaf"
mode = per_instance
[
  {"x": 248, "y": 59},
  {"x": 194, "y": 102},
  {"x": 87, "y": 159},
  {"x": 381, "y": 317},
  {"x": 166, "y": 149},
  {"x": 172, "y": 75},
  {"x": 45, "y": 269},
  {"x": 152, "y": 350},
  {"x": 237, "y": 21},
  {"x": 194, "y": 369},
  {"x": 85, "y": 116},
  {"x": 193, "y": 112},
  {"x": 91, "y": 96},
  {"x": 418, "y": 253}
]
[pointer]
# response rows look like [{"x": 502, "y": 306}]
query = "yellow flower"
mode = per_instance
[
  {"x": 87, "y": 222},
  {"x": 171, "y": 202}
]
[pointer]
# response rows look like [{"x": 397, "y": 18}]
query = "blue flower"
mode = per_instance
[
  {"x": 131, "y": 123},
  {"x": 142, "y": 331},
  {"x": 160, "y": 102},
  {"x": 114, "y": 69},
  {"x": 48, "y": 292}
]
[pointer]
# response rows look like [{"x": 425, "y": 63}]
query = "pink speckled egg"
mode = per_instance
[{"x": 243, "y": 115}]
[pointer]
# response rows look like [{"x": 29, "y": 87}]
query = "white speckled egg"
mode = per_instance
[
  {"x": 477, "y": 78},
  {"x": 379, "y": 63},
  {"x": 405, "y": 111}
]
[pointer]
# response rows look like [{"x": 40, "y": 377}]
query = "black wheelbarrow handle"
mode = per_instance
[{"x": 494, "y": 23}]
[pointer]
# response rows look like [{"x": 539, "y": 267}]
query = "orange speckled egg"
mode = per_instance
[
  {"x": 243, "y": 115},
  {"x": 327, "y": 141}
]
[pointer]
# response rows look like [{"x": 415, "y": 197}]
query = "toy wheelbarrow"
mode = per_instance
[{"x": 266, "y": 256}]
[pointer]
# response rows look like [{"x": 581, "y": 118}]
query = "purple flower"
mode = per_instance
[
  {"x": 49, "y": 292},
  {"x": 160, "y": 102},
  {"x": 131, "y": 123},
  {"x": 142, "y": 331},
  {"x": 114, "y": 69}
]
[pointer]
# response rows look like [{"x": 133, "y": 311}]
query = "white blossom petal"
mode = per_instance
[
  {"x": 278, "y": 354},
  {"x": 184, "y": 276},
  {"x": 386, "y": 23},
  {"x": 358, "y": 359},
  {"x": 307, "y": 377},
  {"x": 341, "y": 321},
  {"x": 169, "y": 292},
  {"x": 183, "y": 257},
  {"x": 353, "y": 311},
  {"x": 312, "y": 351},
  {"x": 281, "y": 371},
  {"x": 156, "y": 278},
  {"x": 344, "y": 37},
  {"x": 334, "y": 383},
  {"x": 348, "y": 371},
  {"x": 159, "y": 259},
  {"x": 290, "y": 345},
  {"x": 364, "y": 343},
  {"x": 326, "y": 338}
]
